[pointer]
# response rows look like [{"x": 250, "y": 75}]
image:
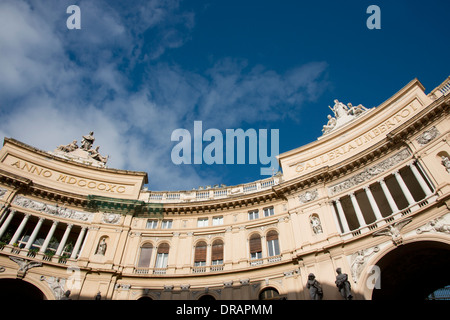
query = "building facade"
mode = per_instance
[{"x": 369, "y": 198}]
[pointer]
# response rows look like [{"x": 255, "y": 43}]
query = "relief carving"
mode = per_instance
[
  {"x": 369, "y": 173},
  {"x": 51, "y": 209}
]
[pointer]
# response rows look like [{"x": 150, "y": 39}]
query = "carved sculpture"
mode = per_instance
[
  {"x": 393, "y": 230},
  {"x": 101, "y": 249},
  {"x": 24, "y": 266},
  {"x": 359, "y": 259},
  {"x": 314, "y": 287},
  {"x": 342, "y": 115},
  {"x": 315, "y": 224},
  {"x": 435, "y": 225},
  {"x": 88, "y": 141},
  {"x": 86, "y": 154},
  {"x": 343, "y": 284},
  {"x": 446, "y": 163}
]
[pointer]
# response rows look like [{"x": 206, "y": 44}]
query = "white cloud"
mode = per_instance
[{"x": 59, "y": 85}]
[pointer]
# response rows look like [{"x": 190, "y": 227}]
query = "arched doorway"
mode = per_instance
[
  {"x": 413, "y": 271},
  {"x": 207, "y": 297},
  {"x": 19, "y": 290}
]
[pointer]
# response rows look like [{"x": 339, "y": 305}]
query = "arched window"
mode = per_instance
[
  {"x": 269, "y": 294},
  {"x": 217, "y": 252},
  {"x": 255, "y": 247},
  {"x": 273, "y": 247},
  {"x": 162, "y": 255},
  {"x": 200, "y": 254},
  {"x": 145, "y": 255}
]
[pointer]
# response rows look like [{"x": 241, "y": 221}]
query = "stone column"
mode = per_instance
[
  {"x": 63, "y": 240},
  {"x": 342, "y": 216},
  {"x": 373, "y": 203},
  {"x": 34, "y": 234},
  {"x": 404, "y": 188},
  {"x": 359, "y": 215},
  {"x": 19, "y": 229},
  {"x": 49, "y": 236},
  {"x": 421, "y": 181},
  {"x": 388, "y": 196},
  {"x": 76, "y": 248},
  {"x": 7, "y": 222}
]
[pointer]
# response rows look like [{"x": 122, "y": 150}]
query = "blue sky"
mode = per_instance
[{"x": 138, "y": 70}]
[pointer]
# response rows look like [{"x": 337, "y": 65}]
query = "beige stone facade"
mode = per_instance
[{"x": 371, "y": 197}]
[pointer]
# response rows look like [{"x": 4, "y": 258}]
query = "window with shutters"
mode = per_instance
[
  {"x": 217, "y": 252},
  {"x": 200, "y": 254},
  {"x": 145, "y": 255},
  {"x": 273, "y": 248},
  {"x": 255, "y": 247},
  {"x": 162, "y": 255}
]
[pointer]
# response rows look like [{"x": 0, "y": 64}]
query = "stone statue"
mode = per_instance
[
  {"x": 330, "y": 125},
  {"x": 354, "y": 111},
  {"x": 315, "y": 224},
  {"x": 87, "y": 141},
  {"x": 101, "y": 247},
  {"x": 66, "y": 296},
  {"x": 446, "y": 163},
  {"x": 393, "y": 230},
  {"x": 95, "y": 154},
  {"x": 339, "y": 109},
  {"x": 70, "y": 147},
  {"x": 314, "y": 287},
  {"x": 343, "y": 284}
]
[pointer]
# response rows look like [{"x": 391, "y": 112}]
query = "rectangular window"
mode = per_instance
[
  {"x": 217, "y": 221},
  {"x": 217, "y": 262},
  {"x": 256, "y": 255},
  {"x": 161, "y": 260},
  {"x": 202, "y": 222},
  {"x": 268, "y": 212},
  {"x": 151, "y": 224},
  {"x": 274, "y": 249},
  {"x": 252, "y": 215},
  {"x": 166, "y": 224}
]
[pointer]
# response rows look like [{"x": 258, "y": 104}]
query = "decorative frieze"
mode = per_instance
[
  {"x": 369, "y": 173},
  {"x": 53, "y": 210}
]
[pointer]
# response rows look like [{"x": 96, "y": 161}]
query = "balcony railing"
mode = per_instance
[{"x": 210, "y": 193}]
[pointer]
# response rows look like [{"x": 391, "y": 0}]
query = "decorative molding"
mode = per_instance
[
  {"x": 308, "y": 196},
  {"x": 369, "y": 173},
  {"x": 53, "y": 210},
  {"x": 427, "y": 136},
  {"x": 111, "y": 218},
  {"x": 24, "y": 266},
  {"x": 393, "y": 230}
]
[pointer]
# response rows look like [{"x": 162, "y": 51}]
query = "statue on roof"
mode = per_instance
[
  {"x": 342, "y": 115},
  {"x": 88, "y": 141},
  {"x": 86, "y": 154}
]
